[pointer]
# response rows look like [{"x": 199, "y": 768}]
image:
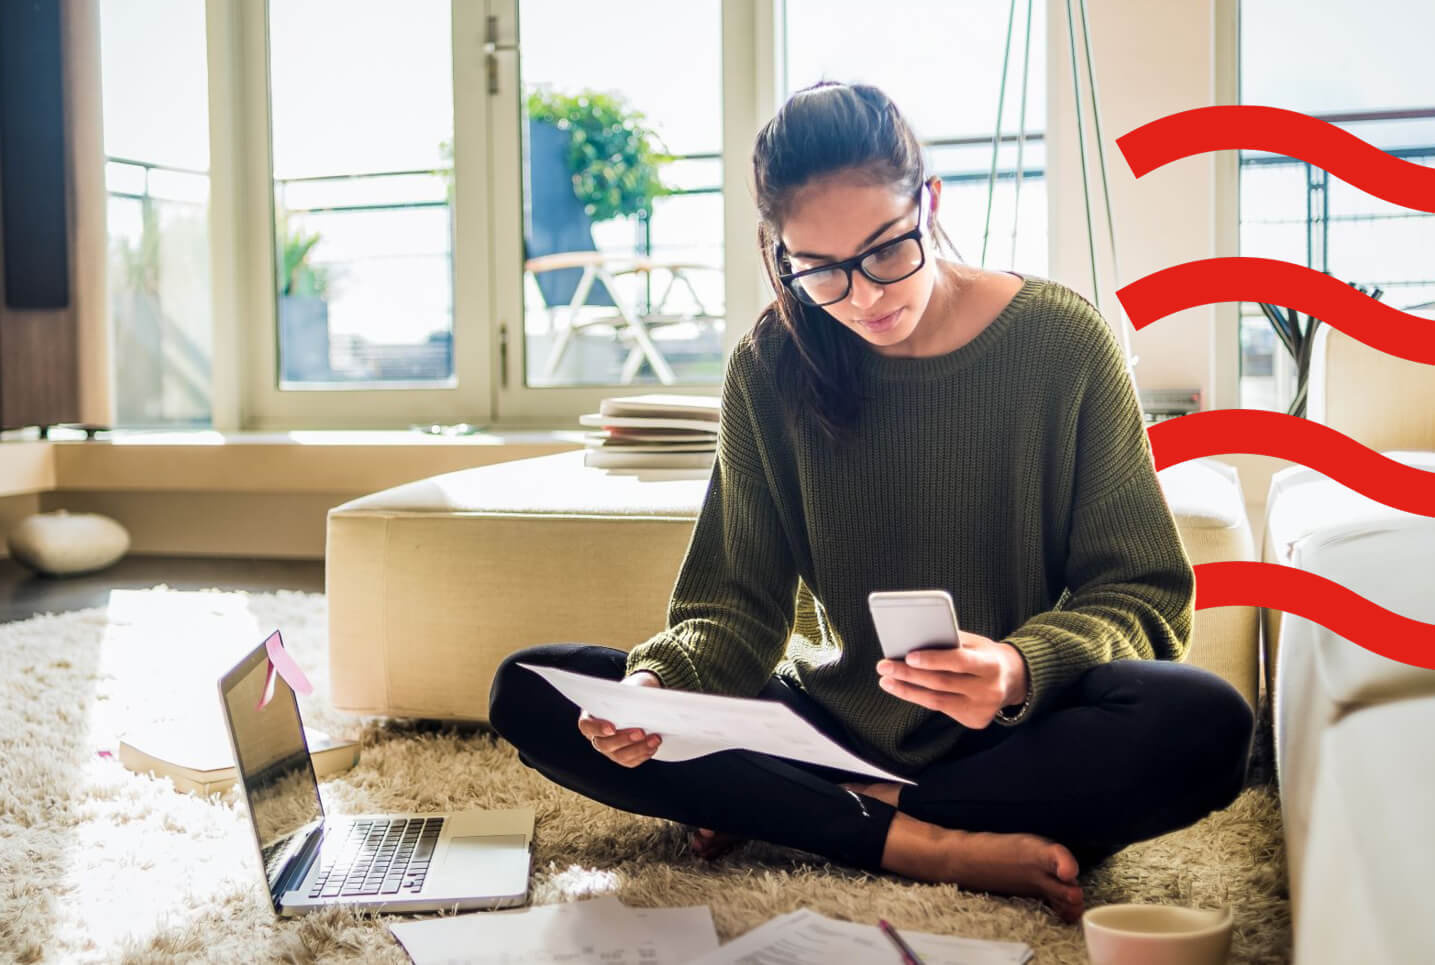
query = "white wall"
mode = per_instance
[{"x": 1151, "y": 59}]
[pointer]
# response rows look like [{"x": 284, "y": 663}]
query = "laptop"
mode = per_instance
[{"x": 385, "y": 862}]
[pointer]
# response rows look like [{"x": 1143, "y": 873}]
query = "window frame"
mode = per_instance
[{"x": 487, "y": 213}]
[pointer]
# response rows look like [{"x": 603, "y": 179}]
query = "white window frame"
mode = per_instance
[{"x": 488, "y": 279}]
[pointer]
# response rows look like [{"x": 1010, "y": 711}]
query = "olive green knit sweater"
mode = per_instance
[{"x": 1014, "y": 472}]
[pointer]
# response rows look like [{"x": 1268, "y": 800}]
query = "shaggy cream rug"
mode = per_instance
[{"x": 100, "y": 864}]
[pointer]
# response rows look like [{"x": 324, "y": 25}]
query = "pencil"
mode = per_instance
[{"x": 909, "y": 957}]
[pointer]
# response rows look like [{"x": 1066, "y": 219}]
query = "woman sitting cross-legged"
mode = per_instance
[{"x": 896, "y": 420}]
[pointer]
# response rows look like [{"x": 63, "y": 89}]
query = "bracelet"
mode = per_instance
[{"x": 1012, "y": 718}]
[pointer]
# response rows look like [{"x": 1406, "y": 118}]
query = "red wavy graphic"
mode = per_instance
[
  {"x": 1209, "y": 280},
  {"x": 1287, "y": 437},
  {"x": 1323, "y": 601},
  {"x": 1280, "y": 131}
]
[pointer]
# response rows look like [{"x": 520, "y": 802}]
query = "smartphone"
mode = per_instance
[{"x": 908, "y": 620}]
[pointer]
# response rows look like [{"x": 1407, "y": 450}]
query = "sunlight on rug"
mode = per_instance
[{"x": 100, "y": 864}]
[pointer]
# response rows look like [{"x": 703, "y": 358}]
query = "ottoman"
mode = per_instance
[{"x": 432, "y": 584}]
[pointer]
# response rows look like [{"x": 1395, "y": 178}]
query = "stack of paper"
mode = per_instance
[
  {"x": 603, "y": 930},
  {"x": 653, "y": 431},
  {"x": 803, "y": 937}
]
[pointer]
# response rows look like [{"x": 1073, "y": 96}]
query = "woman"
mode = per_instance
[{"x": 899, "y": 421}]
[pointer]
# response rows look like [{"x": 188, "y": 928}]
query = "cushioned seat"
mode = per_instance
[
  {"x": 432, "y": 584},
  {"x": 1306, "y": 505},
  {"x": 1364, "y": 887},
  {"x": 1383, "y": 554}
]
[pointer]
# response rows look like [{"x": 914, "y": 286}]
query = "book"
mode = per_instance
[
  {"x": 200, "y": 761},
  {"x": 618, "y": 436},
  {"x": 703, "y": 407},
  {"x": 650, "y": 447},
  {"x": 605, "y": 458},
  {"x": 640, "y": 422},
  {"x": 653, "y": 431}
]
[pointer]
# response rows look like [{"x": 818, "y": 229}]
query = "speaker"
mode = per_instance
[{"x": 33, "y": 213}]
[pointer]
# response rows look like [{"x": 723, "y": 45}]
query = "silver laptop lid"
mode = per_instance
[{"x": 272, "y": 758}]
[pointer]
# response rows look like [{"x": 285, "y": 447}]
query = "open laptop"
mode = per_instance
[{"x": 385, "y": 862}]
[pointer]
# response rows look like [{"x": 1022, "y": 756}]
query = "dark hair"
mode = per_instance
[{"x": 825, "y": 129}]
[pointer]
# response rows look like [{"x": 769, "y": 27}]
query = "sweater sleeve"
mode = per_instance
[
  {"x": 1131, "y": 588},
  {"x": 731, "y": 610}
]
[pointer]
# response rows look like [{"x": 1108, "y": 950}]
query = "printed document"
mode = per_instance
[
  {"x": 806, "y": 938},
  {"x": 693, "y": 724},
  {"x": 602, "y": 931}
]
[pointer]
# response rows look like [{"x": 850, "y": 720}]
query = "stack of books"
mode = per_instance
[
  {"x": 200, "y": 759},
  {"x": 653, "y": 432}
]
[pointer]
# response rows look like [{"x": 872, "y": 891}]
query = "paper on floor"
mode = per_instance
[
  {"x": 806, "y": 938},
  {"x": 602, "y": 930},
  {"x": 693, "y": 724}
]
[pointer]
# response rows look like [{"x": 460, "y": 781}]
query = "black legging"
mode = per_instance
[{"x": 1133, "y": 749}]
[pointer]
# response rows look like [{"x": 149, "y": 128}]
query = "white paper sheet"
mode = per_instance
[
  {"x": 602, "y": 930},
  {"x": 808, "y": 938},
  {"x": 693, "y": 724}
]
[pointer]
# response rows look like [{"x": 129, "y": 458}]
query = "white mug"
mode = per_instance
[{"x": 1139, "y": 934}]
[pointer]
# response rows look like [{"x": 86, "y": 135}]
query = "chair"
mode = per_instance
[{"x": 571, "y": 273}]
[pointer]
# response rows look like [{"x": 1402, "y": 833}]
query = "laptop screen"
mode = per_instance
[{"x": 273, "y": 761}]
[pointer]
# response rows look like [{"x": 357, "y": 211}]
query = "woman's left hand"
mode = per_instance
[{"x": 970, "y": 683}]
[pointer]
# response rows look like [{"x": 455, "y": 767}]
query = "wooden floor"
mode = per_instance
[{"x": 24, "y": 594}]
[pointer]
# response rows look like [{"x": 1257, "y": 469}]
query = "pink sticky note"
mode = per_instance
[{"x": 279, "y": 660}]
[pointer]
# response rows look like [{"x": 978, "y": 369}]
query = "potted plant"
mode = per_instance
[
  {"x": 612, "y": 154},
  {"x": 303, "y": 305},
  {"x": 1298, "y": 340}
]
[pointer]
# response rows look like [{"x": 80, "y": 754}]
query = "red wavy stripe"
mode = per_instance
[
  {"x": 1326, "y": 602},
  {"x": 1280, "y": 131},
  {"x": 1287, "y": 437},
  {"x": 1209, "y": 280}
]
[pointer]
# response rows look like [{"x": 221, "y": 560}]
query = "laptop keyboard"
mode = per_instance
[{"x": 377, "y": 857}]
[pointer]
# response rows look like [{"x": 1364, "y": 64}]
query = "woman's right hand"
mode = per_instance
[{"x": 629, "y": 747}]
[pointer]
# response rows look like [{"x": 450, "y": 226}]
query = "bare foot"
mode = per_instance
[
  {"x": 1008, "y": 864},
  {"x": 710, "y": 844},
  {"x": 886, "y": 793}
]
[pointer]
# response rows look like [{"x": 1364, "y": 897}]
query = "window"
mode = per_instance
[
  {"x": 623, "y": 279},
  {"x": 950, "y": 99},
  {"x": 156, "y": 121},
  {"x": 1367, "y": 74},
  {"x": 361, "y": 169},
  {"x": 381, "y": 202}
]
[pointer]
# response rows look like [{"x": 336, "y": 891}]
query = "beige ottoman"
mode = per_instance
[{"x": 432, "y": 584}]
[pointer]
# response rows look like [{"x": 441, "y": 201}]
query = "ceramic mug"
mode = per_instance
[{"x": 1157, "y": 935}]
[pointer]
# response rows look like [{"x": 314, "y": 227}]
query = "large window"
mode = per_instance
[
  {"x": 361, "y": 109},
  {"x": 624, "y": 275},
  {"x": 156, "y": 122},
  {"x": 1368, "y": 73},
  {"x": 496, "y": 211}
]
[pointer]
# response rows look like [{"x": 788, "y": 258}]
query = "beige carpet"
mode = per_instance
[{"x": 99, "y": 864}]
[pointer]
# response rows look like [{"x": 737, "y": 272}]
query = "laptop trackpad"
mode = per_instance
[
  {"x": 480, "y": 846},
  {"x": 495, "y": 863}
]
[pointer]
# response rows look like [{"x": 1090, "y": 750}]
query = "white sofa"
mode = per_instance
[
  {"x": 432, "y": 584},
  {"x": 1354, "y": 731}
]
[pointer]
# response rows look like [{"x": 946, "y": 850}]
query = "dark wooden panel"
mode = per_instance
[{"x": 39, "y": 374}]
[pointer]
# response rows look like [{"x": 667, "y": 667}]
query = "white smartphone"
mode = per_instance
[{"x": 908, "y": 620}]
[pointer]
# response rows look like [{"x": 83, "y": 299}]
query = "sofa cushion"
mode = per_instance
[
  {"x": 547, "y": 485},
  {"x": 1382, "y": 401},
  {"x": 1317, "y": 523},
  {"x": 1360, "y": 895}
]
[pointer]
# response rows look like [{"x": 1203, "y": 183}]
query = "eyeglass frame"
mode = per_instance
[{"x": 847, "y": 265}]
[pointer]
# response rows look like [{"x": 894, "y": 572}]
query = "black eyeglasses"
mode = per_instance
[{"x": 887, "y": 263}]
